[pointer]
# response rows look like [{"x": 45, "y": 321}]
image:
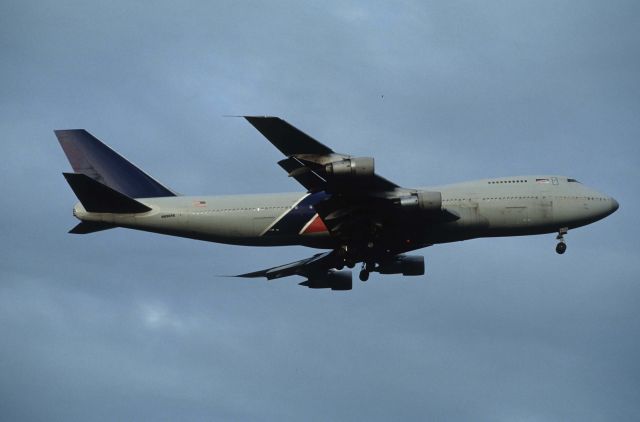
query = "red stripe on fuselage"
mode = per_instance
[{"x": 315, "y": 226}]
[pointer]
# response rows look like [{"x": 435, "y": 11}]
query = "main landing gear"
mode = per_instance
[
  {"x": 365, "y": 271},
  {"x": 364, "y": 275},
  {"x": 348, "y": 256},
  {"x": 561, "y": 247}
]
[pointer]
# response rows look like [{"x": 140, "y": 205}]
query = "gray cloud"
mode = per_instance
[{"x": 126, "y": 325}]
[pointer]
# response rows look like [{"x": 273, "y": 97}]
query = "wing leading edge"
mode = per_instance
[
  {"x": 288, "y": 139},
  {"x": 317, "y": 269},
  {"x": 305, "y": 267}
]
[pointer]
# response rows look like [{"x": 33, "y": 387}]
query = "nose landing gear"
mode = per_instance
[{"x": 561, "y": 247}]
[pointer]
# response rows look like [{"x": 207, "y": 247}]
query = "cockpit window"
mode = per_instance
[{"x": 572, "y": 181}]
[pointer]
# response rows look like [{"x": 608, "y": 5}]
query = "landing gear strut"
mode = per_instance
[
  {"x": 346, "y": 260},
  {"x": 561, "y": 247}
]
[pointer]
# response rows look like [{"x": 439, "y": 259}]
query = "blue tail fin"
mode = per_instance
[{"x": 91, "y": 157}]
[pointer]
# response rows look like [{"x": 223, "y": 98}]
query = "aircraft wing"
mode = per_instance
[
  {"x": 288, "y": 139},
  {"x": 316, "y": 166},
  {"x": 369, "y": 218},
  {"x": 305, "y": 267},
  {"x": 318, "y": 270},
  {"x": 361, "y": 207}
]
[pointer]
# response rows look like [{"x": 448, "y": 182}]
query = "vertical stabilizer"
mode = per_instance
[{"x": 94, "y": 159}]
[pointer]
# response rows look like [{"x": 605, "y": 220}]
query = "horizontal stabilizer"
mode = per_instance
[
  {"x": 90, "y": 227},
  {"x": 96, "y": 197}
]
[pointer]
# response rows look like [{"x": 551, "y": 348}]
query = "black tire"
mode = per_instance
[
  {"x": 364, "y": 275},
  {"x": 561, "y": 248}
]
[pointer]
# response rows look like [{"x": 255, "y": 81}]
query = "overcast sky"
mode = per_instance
[{"x": 124, "y": 325}]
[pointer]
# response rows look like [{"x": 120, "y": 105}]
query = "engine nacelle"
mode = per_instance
[
  {"x": 358, "y": 167},
  {"x": 422, "y": 200},
  {"x": 403, "y": 264},
  {"x": 334, "y": 280}
]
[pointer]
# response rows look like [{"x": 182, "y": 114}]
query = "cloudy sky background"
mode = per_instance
[{"x": 123, "y": 325}]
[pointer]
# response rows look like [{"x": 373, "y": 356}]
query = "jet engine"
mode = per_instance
[
  {"x": 403, "y": 264},
  {"x": 334, "y": 280},
  {"x": 422, "y": 201},
  {"x": 354, "y": 167}
]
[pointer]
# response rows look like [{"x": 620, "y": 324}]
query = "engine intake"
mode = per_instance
[
  {"x": 403, "y": 264},
  {"x": 422, "y": 200},
  {"x": 358, "y": 167}
]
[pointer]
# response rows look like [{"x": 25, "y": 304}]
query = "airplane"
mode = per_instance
[{"x": 348, "y": 209}]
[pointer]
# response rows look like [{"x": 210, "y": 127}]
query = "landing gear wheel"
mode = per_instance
[
  {"x": 364, "y": 275},
  {"x": 561, "y": 247}
]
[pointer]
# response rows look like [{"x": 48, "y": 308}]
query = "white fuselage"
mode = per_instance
[{"x": 509, "y": 206}]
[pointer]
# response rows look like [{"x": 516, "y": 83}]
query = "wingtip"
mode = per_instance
[
  {"x": 250, "y": 118},
  {"x": 63, "y": 131},
  {"x": 260, "y": 117},
  {"x": 256, "y": 274},
  {"x": 254, "y": 116}
]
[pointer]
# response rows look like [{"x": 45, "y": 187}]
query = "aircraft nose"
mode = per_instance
[{"x": 614, "y": 204}]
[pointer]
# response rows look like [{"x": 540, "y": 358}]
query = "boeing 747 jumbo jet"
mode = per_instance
[{"x": 359, "y": 216}]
